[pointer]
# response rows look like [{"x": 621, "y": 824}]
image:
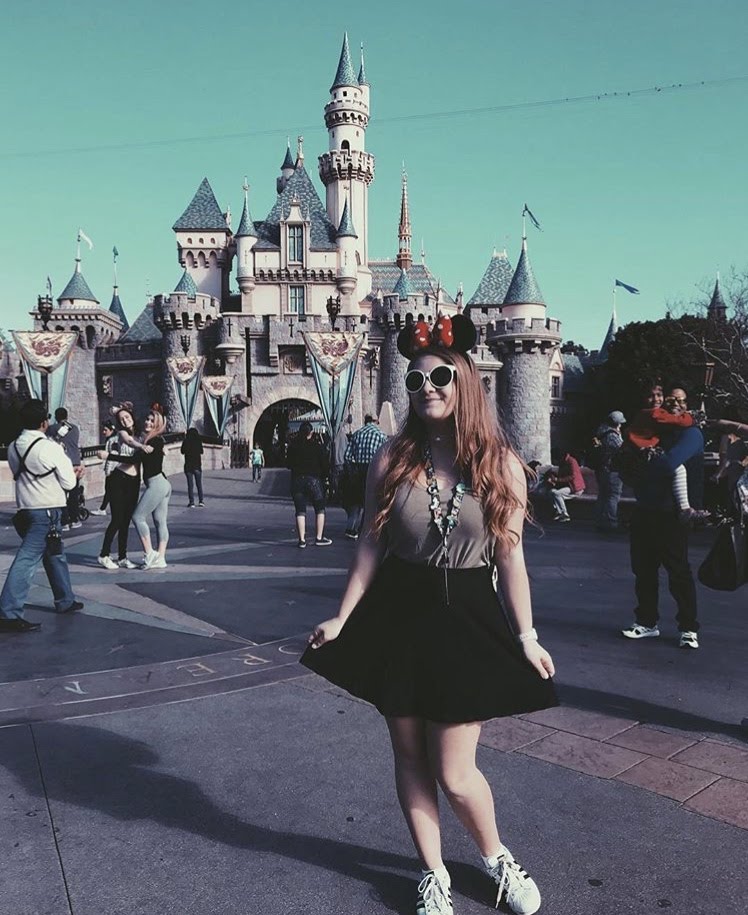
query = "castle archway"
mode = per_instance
[{"x": 278, "y": 422}]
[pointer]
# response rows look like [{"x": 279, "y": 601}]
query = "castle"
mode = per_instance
[{"x": 303, "y": 258}]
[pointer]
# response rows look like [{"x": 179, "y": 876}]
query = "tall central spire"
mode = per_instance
[{"x": 404, "y": 255}]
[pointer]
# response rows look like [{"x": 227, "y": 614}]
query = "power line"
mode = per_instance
[{"x": 619, "y": 95}]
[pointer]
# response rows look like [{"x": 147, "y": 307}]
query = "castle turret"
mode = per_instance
[
  {"x": 524, "y": 338},
  {"x": 346, "y": 242},
  {"x": 347, "y": 169},
  {"x": 287, "y": 169},
  {"x": 493, "y": 287},
  {"x": 77, "y": 293},
  {"x": 246, "y": 237},
  {"x": 203, "y": 243}
]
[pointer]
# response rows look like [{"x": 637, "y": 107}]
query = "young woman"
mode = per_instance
[
  {"x": 155, "y": 498},
  {"x": 420, "y": 631},
  {"x": 192, "y": 449},
  {"x": 123, "y": 486}
]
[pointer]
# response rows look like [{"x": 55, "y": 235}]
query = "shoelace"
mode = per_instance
[
  {"x": 507, "y": 874},
  {"x": 435, "y": 897}
]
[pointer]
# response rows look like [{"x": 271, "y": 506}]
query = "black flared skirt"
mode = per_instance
[{"x": 417, "y": 645}]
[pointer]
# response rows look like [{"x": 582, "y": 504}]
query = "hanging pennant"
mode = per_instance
[
  {"x": 217, "y": 389},
  {"x": 186, "y": 372},
  {"x": 334, "y": 358},
  {"x": 46, "y": 353}
]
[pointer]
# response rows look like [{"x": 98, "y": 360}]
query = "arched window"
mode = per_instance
[
  {"x": 201, "y": 260},
  {"x": 90, "y": 336},
  {"x": 345, "y": 146}
]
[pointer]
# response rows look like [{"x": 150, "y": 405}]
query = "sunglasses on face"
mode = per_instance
[{"x": 439, "y": 377}]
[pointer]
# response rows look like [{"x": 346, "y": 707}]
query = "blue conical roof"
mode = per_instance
[
  {"x": 362, "y": 80},
  {"x": 203, "y": 211},
  {"x": 403, "y": 287},
  {"x": 186, "y": 284},
  {"x": 77, "y": 288},
  {"x": 346, "y": 75},
  {"x": 288, "y": 162},
  {"x": 345, "y": 229},
  {"x": 495, "y": 283},
  {"x": 246, "y": 226},
  {"x": 118, "y": 311},
  {"x": 524, "y": 290}
]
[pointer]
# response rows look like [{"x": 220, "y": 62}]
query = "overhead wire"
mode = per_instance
[{"x": 618, "y": 95}]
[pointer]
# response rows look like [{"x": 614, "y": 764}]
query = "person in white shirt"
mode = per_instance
[{"x": 43, "y": 475}]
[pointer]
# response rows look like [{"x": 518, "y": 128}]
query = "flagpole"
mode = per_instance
[
  {"x": 614, "y": 302},
  {"x": 114, "y": 257}
]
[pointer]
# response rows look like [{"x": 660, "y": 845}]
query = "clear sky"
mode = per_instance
[{"x": 113, "y": 114}]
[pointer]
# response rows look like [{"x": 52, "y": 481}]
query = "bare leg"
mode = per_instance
[
  {"x": 320, "y": 524},
  {"x": 301, "y": 526},
  {"x": 451, "y": 750},
  {"x": 416, "y": 788}
]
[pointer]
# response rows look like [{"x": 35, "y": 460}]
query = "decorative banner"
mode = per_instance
[
  {"x": 44, "y": 350},
  {"x": 46, "y": 353},
  {"x": 186, "y": 372},
  {"x": 218, "y": 393},
  {"x": 334, "y": 357}
]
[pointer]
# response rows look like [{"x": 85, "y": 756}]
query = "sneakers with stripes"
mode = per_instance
[
  {"x": 434, "y": 896},
  {"x": 515, "y": 886},
  {"x": 637, "y": 631}
]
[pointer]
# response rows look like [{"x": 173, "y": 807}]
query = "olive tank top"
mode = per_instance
[{"x": 413, "y": 536}]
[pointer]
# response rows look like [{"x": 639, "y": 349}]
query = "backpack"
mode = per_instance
[{"x": 22, "y": 468}]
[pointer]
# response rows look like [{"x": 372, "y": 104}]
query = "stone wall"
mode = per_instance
[{"x": 81, "y": 396}]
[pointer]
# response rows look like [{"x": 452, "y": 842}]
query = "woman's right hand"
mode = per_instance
[
  {"x": 147, "y": 448},
  {"x": 325, "y": 632}
]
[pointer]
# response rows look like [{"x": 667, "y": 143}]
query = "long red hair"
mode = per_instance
[{"x": 482, "y": 452}]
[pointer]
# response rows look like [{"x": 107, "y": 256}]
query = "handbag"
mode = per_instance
[{"x": 726, "y": 565}]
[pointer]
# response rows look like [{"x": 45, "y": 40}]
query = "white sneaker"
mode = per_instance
[
  {"x": 149, "y": 559},
  {"x": 434, "y": 898},
  {"x": 158, "y": 563},
  {"x": 97, "y": 511},
  {"x": 689, "y": 640},
  {"x": 107, "y": 562},
  {"x": 126, "y": 564},
  {"x": 637, "y": 631},
  {"x": 516, "y": 886}
]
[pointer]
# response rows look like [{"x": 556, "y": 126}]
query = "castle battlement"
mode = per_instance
[
  {"x": 181, "y": 311},
  {"x": 505, "y": 329}
]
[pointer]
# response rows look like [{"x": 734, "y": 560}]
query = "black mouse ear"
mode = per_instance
[
  {"x": 464, "y": 332},
  {"x": 405, "y": 341}
]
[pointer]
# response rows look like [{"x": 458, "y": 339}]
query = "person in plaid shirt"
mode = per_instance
[{"x": 362, "y": 446}]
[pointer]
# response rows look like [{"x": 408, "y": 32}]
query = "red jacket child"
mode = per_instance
[{"x": 643, "y": 431}]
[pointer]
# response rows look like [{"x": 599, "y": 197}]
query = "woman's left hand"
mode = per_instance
[
  {"x": 539, "y": 658},
  {"x": 148, "y": 449}
]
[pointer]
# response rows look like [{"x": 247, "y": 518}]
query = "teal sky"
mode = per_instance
[{"x": 114, "y": 113}]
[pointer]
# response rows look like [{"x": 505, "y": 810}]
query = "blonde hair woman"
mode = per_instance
[
  {"x": 420, "y": 631},
  {"x": 154, "y": 500}
]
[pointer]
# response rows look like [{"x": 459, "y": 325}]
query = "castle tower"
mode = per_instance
[
  {"x": 609, "y": 336},
  {"x": 79, "y": 310},
  {"x": 347, "y": 169},
  {"x": 246, "y": 237},
  {"x": 203, "y": 243},
  {"x": 404, "y": 255},
  {"x": 524, "y": 338}
]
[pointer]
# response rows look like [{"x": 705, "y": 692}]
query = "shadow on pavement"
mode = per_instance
[{"x": 95, "y": 769}]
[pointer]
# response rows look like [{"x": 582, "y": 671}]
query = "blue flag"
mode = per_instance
[
  {"x": 528, "y": 212},
  {"x": 627, "y": 287},
  {"x": 115, "y": 252}
]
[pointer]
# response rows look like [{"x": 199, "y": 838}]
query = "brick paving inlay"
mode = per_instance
[
  {"x": 580, "y": 722},
  {"x": 583, "y": 754},
  {"x": 721, "y": 758},
  {"x": 725, "y": 800},
  {"x": 665, "y": 777},
  {"x": 651, "y": 741},
  {"x": 511, "y": 733}
]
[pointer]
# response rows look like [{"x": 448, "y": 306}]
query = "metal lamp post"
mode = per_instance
[
  {"x": 44, "y": 310},
  {"x": 333, "y": 309}
]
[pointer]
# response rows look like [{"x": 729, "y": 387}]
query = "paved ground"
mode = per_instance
[{"x": 164, "y": 752}]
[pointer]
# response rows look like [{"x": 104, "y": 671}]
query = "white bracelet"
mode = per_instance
[{"x": 530, "y": 636}]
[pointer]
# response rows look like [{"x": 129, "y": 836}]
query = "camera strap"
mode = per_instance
[{"x": 22, "y": 468}]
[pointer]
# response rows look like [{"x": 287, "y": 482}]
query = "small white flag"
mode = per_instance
[{"x": 83, "y": 237}]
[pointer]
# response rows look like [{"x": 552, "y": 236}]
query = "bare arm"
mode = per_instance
[
  {"x": 369, "y": 554},
  {"x": 133, "y": 442},
  {"x": 513, "y": 580}
]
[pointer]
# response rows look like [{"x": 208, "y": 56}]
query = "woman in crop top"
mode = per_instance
[
  {"x": 154, "y": 500},
  {"x": 420, "y": 632}
]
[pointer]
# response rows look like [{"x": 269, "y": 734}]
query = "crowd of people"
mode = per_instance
[{"x": 435, "y": 625}]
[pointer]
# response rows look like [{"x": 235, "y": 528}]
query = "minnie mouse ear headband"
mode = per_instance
[
  {"x": 157, "y": 408},
  {"x": 455, "y": 333},
  {"x": 124, "y": 405}
]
